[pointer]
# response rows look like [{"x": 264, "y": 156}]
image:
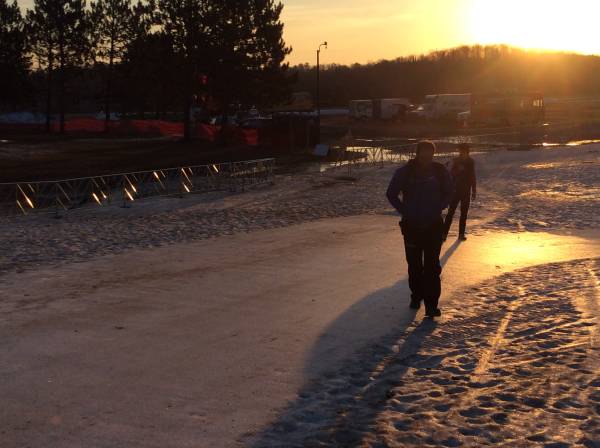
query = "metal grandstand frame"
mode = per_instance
[{"x": 124, "y": 189}]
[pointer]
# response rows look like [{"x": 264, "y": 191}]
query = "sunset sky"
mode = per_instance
[
  {"x": 369, "y": 30},
  {"x": 361, "y": 30}
]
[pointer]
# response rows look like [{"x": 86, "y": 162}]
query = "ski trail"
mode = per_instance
[{"x": 498, "y": 338}]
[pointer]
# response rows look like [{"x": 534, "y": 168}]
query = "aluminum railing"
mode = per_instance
[
  {"x": 127, "y": 188},
  {"x": 351, "y": 156}
]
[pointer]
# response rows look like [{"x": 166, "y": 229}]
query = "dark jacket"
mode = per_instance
[
  {"x": 425, "y": 193},
  {"x": 463, "y": 172}
]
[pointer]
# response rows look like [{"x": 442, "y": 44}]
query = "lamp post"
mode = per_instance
[{"x": 324, "y": 44}]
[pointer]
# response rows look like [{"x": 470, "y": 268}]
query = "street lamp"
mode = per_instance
[{"x": 324, "y": 44}]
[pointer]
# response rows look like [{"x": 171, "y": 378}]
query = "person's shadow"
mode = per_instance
[
  {"x": 341, "y": 399},
  {"x": 449, "y": 252}
]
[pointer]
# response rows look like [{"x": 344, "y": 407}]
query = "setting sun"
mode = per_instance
[
  {"x": 387, "y": 29},
  {"x": 537, "y": 24}
]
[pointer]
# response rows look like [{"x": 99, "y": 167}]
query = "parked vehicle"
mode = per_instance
[
  {"x": 380, "y": 109},
  {"x": 417, "y": 112},
  {"x": 446, "y": 106},
  {"x": 390, "y": 108},
  {"x": 232, "y": 120},
  {"x": 507, "y": 109},
  {"x": 113, "y": 116},
  {"x": 361, "y": 109}
]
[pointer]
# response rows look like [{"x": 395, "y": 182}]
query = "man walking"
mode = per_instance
[
  {"x": 463, "y": 172},
  {"x": 426, "y": 190}
]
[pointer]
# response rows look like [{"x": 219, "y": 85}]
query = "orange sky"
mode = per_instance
[
  {"x": 369, "y": 30},
  {"x": 362, "y": 31}
]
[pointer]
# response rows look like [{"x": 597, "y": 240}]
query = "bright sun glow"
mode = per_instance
[{"x": 568, "y": 25}]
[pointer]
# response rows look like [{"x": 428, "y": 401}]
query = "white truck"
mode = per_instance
[
  {"x": 390, "y": 108},
  {"x": 361, "y": 109},
  {"x": 382, "y": 109},
  {"x": 440, "y": 106}
]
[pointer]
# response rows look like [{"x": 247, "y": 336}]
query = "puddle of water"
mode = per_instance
[
  {"x": 568, "y": 192},
  {"x": 561, "y": 164},
  {"x": 573, "y": 143},
  {"x": 543, "y": 166},
  {"x": 402, "y": 151},
  {"x": 374, "y": 155},
  {"x": 369, "y": 154},
  {"x": 582, "y": 142}
]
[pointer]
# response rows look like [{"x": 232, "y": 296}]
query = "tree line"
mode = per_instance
[
  {"x": 144, "y": 54},
  {"x": 466, "y": 69}
]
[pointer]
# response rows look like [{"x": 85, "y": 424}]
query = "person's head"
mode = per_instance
[
  {"x": 425, "y": 151},
  {"x": 463, "y": 150}
]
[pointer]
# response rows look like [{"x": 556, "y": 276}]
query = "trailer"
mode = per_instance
[
  {"x": 507, "y": 109},
  {"x": 446, "y": 106},
  {"x": 390, "y": 108},
  {"x": 361, "y": 109},
  {"x": 380, "y": 109}
]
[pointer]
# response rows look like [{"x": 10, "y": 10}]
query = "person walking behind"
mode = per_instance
[
  {"x": 463, "y": 172},
  {"x": 426, "y": 189}
]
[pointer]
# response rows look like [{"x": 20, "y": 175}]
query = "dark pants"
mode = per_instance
[
  {"x": 465, "y": 202},
  {"x": 423, "y": 247}
]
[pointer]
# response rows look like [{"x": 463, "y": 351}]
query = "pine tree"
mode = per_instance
[
  {"x": 116, "y": 25},
  {"x": 271, "y": 79},
  {"x": 14, "y": 62},
  {"x": 151, "y": 76},
  {"x": 148, "y": 67},
  {"x": 42, "y": 38},
  {"x": 249, "y": 68},
  {"x": 188, "y": 24},
  {"x": 58, "y": 29},
  {"x": 238, "y": 43},
  {"x": 72, "y": 42},
  {"x": 143, "y": 17}
]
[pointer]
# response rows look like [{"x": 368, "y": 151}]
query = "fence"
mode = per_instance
[
  {"x": 139, "y": 127},
  {"x": 355, "y": 157},
  {"x": 124, "y": 189}
]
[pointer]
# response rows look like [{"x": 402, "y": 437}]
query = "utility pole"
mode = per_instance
[{"x": 324, "y": 44}]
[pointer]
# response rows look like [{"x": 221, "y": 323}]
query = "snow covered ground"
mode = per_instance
[
  {"x": 514, "y": 362},
  {"x": 543, "y": 189},
  {"x": 550, "y": 189},
  {"x": 282, "y": 335}
]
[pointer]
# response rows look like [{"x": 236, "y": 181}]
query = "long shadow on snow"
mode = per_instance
[{"x": 337, "y": 407}]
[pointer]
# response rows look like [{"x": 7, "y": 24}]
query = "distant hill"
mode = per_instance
[{"x": 464, "y": 69}]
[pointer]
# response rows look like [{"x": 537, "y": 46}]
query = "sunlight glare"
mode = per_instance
[{"x": 537, "y": 24}]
